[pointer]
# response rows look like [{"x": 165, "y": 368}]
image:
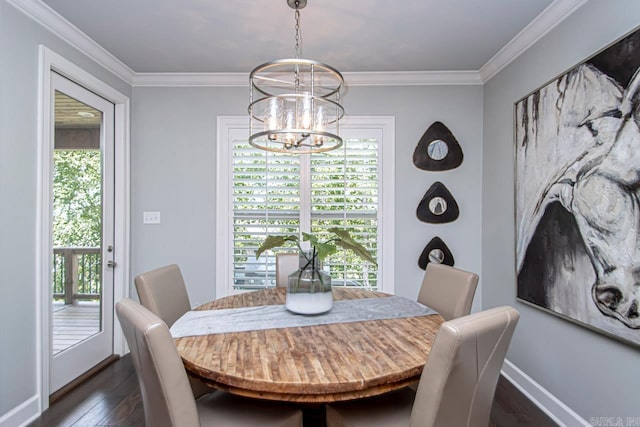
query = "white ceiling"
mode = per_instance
[{"x": 213, "y": 36}]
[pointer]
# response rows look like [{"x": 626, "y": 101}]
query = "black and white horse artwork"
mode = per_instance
[{"x": 578, "y": 193}]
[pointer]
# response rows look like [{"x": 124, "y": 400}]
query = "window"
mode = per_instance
[{"x": 261, "y": 193}]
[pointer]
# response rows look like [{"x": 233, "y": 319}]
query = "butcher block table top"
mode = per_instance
[{"x": 314, "y": 364}]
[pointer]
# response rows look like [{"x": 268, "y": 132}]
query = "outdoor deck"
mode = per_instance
[{"x": 73, "y": 323}]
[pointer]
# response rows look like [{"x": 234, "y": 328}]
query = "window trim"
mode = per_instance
[{"x": 229, "y": 125}]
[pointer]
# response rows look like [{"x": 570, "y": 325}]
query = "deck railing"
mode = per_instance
[{"x": 77, "y": 274}]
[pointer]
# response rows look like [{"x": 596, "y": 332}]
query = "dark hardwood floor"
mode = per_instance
[
  {"x": 112, "y": 398},
  {"x": 512, "y": 408}
]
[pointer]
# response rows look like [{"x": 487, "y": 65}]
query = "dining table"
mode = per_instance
[{"x": 316, "y": 363}]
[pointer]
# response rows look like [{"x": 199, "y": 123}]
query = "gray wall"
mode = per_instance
[
  {"x": 19, "y": 40},
  {"x": 592, "y": 374},
  {"x": 174, "y": 171}
]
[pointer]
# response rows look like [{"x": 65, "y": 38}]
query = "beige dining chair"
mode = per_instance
[
  {"x": 448, "y": 290},
  {"x": 166, "y": 396},
  {"x": 285, "y": 265},
  {"x": 164, "y": 293},
  {"x": 457, "y": 384}
]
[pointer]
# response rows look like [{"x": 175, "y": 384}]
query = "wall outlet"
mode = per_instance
[{"x": 151, "y": 218}]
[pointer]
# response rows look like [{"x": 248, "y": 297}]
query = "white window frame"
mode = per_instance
[{"x": 230, "y": 126}]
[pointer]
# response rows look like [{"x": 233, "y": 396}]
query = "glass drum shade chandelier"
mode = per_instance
[{"x": 294, "y": 104}]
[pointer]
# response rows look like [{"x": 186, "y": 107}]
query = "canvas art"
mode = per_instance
[{"x": 577, "y": 201}]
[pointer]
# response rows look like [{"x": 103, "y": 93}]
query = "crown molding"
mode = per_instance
[
  {"x": 412, "y": 78},
  {"x": 54, "y": 22},
  {"x": 396, "y": 78},
  {"x": 548, "y": 19},
  {"x": 191, "y": 79}
]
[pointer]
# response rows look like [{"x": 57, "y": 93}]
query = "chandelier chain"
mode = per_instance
[
  {"x": 298, "y": 53},
  {"x": 298, "y": 36}
]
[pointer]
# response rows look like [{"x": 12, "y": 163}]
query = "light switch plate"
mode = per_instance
[{"x": 151, "y": 218}]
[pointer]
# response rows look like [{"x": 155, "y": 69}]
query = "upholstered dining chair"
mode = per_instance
[
  {"x": 164, "y": 293},
  {"x": 285, "y": 265},
  {"x": 457, "y": 384},
  {"x": 166, "y": 396},
  {"x": 448, "y": 290}
]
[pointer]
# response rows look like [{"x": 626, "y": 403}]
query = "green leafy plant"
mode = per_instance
[{"x": 321, "y": 249}]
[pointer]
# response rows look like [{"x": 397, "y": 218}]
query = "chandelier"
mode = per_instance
[{"x": 294, "y": 104}]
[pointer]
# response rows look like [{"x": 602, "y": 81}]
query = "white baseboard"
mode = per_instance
[
  {"x": 22, "y": 414},
  {"x": 547, "y": 402}
]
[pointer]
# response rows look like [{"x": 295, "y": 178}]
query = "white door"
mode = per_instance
[{"x": 82, "y": 218}]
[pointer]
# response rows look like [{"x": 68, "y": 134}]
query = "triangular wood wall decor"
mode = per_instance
[
  {"x": 437, "y": 205},
  {"x": 435, "y": 251},
  {"x": 438, "y": 149}
]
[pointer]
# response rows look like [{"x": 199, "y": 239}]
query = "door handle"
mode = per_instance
[{"x": 111, "y": 264}]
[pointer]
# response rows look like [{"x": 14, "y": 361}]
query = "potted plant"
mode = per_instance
[{"x": 309, "y": 289}]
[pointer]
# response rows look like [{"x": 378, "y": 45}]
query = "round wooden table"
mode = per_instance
[{"x": 314, "y": 364}]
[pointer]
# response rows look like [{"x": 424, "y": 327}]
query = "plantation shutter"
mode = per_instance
[
  {"x": 344, "y": 194},
  {"x": 266, "y": 200},
  {"x": 282, "y": 194}
]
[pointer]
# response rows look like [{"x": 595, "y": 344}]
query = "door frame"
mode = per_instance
[{"x": 51, "y": 61}]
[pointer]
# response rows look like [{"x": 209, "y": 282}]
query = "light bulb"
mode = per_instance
[
  {"x": 290, "y": 120},
  {"x": 320, "y": 124},
  {"x": 275, "y": 114},
  {"x": 273, "y": 121},
  {"x": 321, "y": 119},
  {"x": 305, "y": 112},
  {"x": 289, "y": 138}
]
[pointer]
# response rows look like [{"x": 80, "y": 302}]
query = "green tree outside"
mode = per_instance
[{"x": 77, "y": 202}]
